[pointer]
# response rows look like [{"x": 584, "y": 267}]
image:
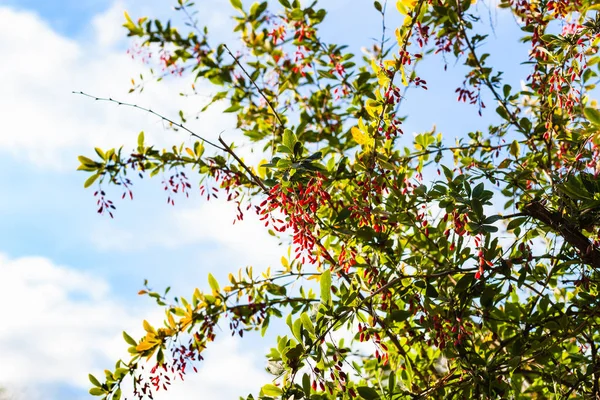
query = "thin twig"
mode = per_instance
[
  {"x": 485, "y": 77},
  {"x": 255, "y": 178},
  {"x": 122, "y": 103},
  {"x": 262, "y": 93},
  {"x": 224, "y": 147}
]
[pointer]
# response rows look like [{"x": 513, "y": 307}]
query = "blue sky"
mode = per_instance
[{"x": 68, "y": 277}]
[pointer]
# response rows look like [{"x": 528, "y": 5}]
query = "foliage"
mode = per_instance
[{"x": 402, "y": 239}]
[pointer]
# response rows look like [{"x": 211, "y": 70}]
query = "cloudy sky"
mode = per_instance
[{"x": 69, "y": 277}]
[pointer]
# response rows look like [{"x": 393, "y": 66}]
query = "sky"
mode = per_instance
[{"x": 68, "y": 277}]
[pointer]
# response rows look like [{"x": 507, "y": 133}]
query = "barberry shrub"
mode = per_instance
[{"x": 460, "y": 270}]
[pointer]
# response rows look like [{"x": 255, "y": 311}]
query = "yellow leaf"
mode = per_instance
[
  {"x": 171, "y": 320},
  {"x": 285, "y": 263},
  {"x": 410, "y": 4},
  {"x": 404, "y": 81},
  {"x": 127, "y": 17},
  {"x": 405, "y": 6},
  {"x": 358, "y": 136},
  {"x": 190, "y": 152},
  {"x": 373, "y": 108},
  {"x": 148, "y": 328},
  {"x": 267, "y": 273},
  {"x": 262, "y": 171},
  {"x": 376, "y": 68},
  {"x": 185, "y": 321},
  {"x": 145, "y": 345},
  {"x": 128, "y": 22}
]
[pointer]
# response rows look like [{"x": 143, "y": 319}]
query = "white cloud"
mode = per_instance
[
  {"x": 49, "y": 126},
  {"x": 228, "y": 371},
  {"x": 209, "y": 223},
  {"x": 104, "y": 26},
  {"x": 59, "y": 324}
]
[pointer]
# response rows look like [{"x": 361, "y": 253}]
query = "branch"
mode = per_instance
[
  {"x": 255, "y": 178},
  {"x": 483, "y": 146},
  {"x": 485, "y": 77},
  {"x": 162, "y": 117},
  {"x": 567, "y": 230},
  {"x": 225, "y": 147},
  {"x": 236, "y": 60}
]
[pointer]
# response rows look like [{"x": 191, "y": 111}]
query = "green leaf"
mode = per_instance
[
  {"x": 431, "y": 291},
  {"x": 491, "y": 219},
  {"x": 121, "y": 372},
  {"x": 264, "y": 326},
  {"x": 94, "y": 381},
  {"x": 464, "y": 282},
  {"x": 392, "y": 383},
  {"x": 294, "y": 353},
  {"x": 306, "y": 385},
  {"x": 515, "y": 223},
  {"x": 289, "y": 139},
  {"x": 592, "y": 115},
  {"x": 275, "y": 289},
  {"x": 140, "y": 140},
  {"x": 100, "y": 153},
  {"x": 237, "y": 4},
  {"x": 367, "y": 393},
  {"x": 487, "y": 297},
  {"x": 401, "y": 315},
  {"x": 214, "y": 285},
  {"x": 326, "y": 287},
  {"x": 448, "y": 173},
  {"x": 515, "y": 149},
  {"x": 86, "y": 161},
  {"x": 377, "y": 6},
  {"x": 478, "y": 190},
  {"x": 90, "y": 181},
  {"x": 502, "y": 112},
  {"x": 297, "y": 329},
  {"x": 271, "y": 390},
  {"x": 96, "y": 391},
  {"x": 232, "y": 108},
  {"x": 477, "y": 207},
  {"x": 525, "y": 124},
  {"x": 307, "y": 323}
]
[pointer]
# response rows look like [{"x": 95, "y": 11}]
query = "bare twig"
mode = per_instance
[
  {"x": 122, "y": 103},
  {"x": 262, "y": 93},
  {"x": 255, "y": 178},
  {"x": 224, "y": 146}
]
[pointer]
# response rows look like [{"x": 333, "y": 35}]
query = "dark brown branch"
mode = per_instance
[{"x": 570, "y": 233}]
